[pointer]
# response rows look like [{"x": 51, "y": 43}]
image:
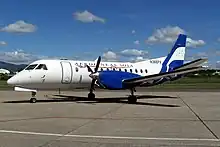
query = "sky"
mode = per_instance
[{"x": 117, "y": 30}]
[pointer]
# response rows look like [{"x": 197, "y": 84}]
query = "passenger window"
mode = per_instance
[
  {"x": 77, "y": 69},
  {"x": 131, "y": 70},
  {"x": 136, "y": 70},
  {"x": 146, "y": 70},
  {"x": 119, "y": 69},
  {"x": 30, "y": 67},
  {"x": 141, "y": 71},
  {"x": 125, "y": 70},
  {"x": 42, "y": 66}
]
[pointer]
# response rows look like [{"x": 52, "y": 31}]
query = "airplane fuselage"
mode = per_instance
[{"x": 70, "y": 74}]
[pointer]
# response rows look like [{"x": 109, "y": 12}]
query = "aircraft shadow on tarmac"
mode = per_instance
[{"x": 123, "y": 100}]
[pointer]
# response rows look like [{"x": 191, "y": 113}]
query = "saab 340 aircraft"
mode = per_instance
[{"x": 69, "y": 74}]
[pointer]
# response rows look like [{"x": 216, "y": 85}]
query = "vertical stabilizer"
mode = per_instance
[{"x": 176, "y": 56}]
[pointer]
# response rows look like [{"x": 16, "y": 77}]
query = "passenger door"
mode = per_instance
[{"x": 66, "y": 72}]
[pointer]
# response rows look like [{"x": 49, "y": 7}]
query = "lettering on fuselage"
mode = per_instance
[
  {"x": 155, "y": 61},
  {"x": 105, "y": 65}
]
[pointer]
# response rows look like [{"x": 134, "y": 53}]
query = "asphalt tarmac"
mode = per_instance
[{"x": 69, "y": 119}]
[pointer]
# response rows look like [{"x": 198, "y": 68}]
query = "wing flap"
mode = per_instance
[{"x": 138, "y": 81}]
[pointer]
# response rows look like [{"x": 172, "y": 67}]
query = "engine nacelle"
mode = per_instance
[{"x": 114, "y": 79}]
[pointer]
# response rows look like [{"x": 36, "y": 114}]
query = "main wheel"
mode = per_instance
[
  {"x": 132, "y": 99},
  {"x": 91, "y": 96},
  {"x": 33, "y": 100}
]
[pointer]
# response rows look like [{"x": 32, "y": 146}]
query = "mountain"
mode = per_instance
[{"x": 12, "y": 67}]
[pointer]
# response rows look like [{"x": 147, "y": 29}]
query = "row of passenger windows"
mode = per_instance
[
  {"x": 44, "y": 67},
  {"x": 126, "y": 70},
  {"x": 36, "y": 66}
]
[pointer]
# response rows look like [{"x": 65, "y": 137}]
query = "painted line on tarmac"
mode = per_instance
[{"x": 108, "y": 137}]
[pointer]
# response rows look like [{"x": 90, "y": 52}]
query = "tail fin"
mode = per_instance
[{"x": 176, "y": 56}]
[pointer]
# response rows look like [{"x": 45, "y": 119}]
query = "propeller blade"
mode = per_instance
[
  {"x": 89, "y": 69},
  {"x": 97, "y": 64},
  {"x": 94, "y": 74}
]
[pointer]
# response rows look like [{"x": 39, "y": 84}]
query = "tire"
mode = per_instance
[
  {"x": 91, "y": 96},
  {"x": 132, "y": 99},
  {"x": 33, "y": 100}
]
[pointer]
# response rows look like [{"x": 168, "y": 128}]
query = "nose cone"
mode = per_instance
[{"x": 11, "y": 81}]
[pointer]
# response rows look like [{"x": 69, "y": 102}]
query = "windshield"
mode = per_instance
[
  {"x": 42, "y": 66},
  {"x": 31, "y": 67}
]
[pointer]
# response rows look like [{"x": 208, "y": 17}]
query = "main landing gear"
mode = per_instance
[
  {"x": 91, "y": 96},
  {"x": 33, "y": 97},
  {"x": 132, "y": 99}
]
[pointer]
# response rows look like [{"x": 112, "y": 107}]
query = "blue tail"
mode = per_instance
[{"x": 176, "y": 56}]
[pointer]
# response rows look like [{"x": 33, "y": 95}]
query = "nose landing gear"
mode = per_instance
[{"x": 33, "y": 97}]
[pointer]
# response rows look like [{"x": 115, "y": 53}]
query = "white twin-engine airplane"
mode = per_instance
[{"x": 69, "y": 74}]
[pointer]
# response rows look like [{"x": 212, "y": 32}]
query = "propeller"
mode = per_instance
[{"x": 94, "y": 74}]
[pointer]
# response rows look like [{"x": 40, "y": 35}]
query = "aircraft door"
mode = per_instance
[{"x": 66, "y": 72}]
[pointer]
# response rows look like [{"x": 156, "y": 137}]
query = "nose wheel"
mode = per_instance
[
  {"x": 33, "y": 100},
  {"x": 33, "y": 97}
]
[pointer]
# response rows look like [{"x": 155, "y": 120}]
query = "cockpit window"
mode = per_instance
[
  {"x": 31, "y": 67},
  {"x": 42, "y": 66}
]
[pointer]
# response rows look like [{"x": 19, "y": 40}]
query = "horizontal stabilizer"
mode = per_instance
[
  {"x": 24, "y": 89},
  {"x": 139, "y": 80},
  {"x": 191, "y": 64}
]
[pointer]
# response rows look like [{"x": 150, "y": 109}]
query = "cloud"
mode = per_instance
[
  {"x": 194, "y": 43},
  {"x": 19, "y": 27},
  {"x": 165, "y": 35},
  {"x": 137, "y": 42},
  {"x": 138, "y": 59},
  {"x": 169, "y": 34},
  {"x": 127, "y": 54},
  {"x": 87, "y": 17},
  {"x": 133, "y": 32},
  {"x": 19, "y": 56},
  {"x": 133, "y": 52},
  {"x": 110, "y": 56},
  {"x": 2, "y": 43}
]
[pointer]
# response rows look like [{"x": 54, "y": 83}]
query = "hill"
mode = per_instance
[{"x": 12, "y": 67}]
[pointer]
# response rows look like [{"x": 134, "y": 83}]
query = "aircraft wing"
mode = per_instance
[
  {"x": 191, "y": 64},
  {"x": 140, "y": 80}
]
